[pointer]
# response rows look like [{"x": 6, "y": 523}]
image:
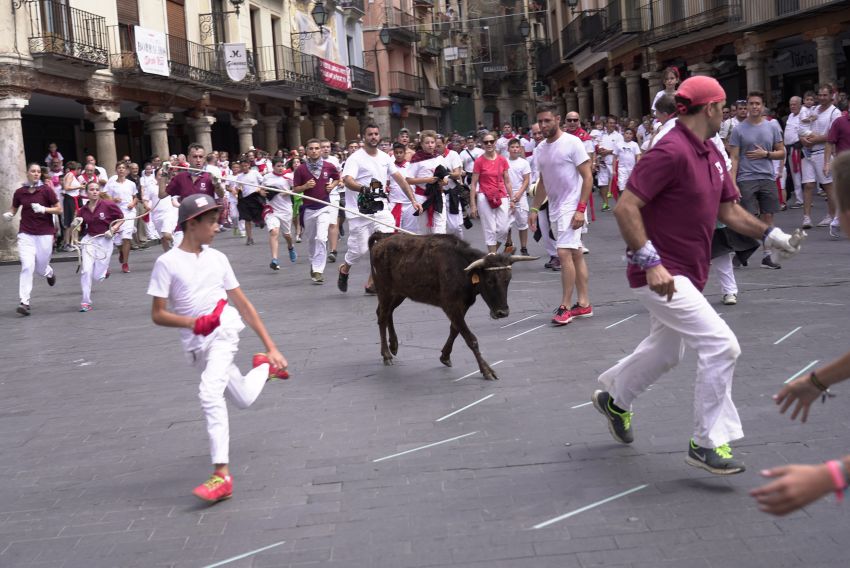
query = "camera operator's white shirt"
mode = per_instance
[{"x": 364, "y": 168}]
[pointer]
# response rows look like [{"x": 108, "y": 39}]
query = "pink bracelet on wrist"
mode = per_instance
[{"x": 836, "y": 470}]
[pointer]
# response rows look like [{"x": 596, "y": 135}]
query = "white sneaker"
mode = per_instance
[
  {"x": 807, "y": 222},
  {"x": 835, "y": 232},
  {"x": 730, "y": 299},
  {"x": 825, "y": 222}
]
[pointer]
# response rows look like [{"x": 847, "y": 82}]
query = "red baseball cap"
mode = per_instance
[{"x": 701, "y": 90}]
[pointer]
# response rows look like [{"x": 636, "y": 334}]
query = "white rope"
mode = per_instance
[{"x": 166, "y": 168}]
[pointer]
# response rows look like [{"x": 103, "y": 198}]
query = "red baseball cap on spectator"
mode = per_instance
[{"x": 700, "y": 90}]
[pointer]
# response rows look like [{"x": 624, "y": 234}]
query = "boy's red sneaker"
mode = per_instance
[
  {"x": 274, "y": 372},
  {"x": 579, "y": 311},
  {"x": 216, "y": 488}
]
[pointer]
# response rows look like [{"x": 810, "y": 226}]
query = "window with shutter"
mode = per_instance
[
  {"x": 177, "y": 46},
  {"x": 128, "y": 12}
]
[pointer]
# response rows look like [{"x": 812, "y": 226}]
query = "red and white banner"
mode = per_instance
[{"x": 334, "y": 75}]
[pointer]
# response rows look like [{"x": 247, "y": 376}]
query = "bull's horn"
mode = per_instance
[
  {"x": 475, "y": 264},
  {"x": 520, "y": 258}
]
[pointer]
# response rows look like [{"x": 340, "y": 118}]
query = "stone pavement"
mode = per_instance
[{"x": 103, "y": 439}]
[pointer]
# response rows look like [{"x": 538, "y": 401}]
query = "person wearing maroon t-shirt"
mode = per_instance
[
  {"x": 95, "y": 218},
  {"x": 186, "y": 183},
  {"x": 667, "y": 222},
  {"x": 316, "y": 178},
  {"x": 38, "y": 203}
]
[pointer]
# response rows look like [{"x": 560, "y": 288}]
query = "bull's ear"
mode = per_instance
[
  {"x": 520, "y": 258},
  {"x": 474, "y": 278}
]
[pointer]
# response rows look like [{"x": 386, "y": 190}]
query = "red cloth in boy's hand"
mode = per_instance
[{"x": 206, "y": 324}]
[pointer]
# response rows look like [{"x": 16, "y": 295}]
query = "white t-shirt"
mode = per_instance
[
  {"x": 627, "y": 153},
  {"x": 662, "y": 130},
  {"x": 517, "y": 170},
  {"x": 822, "y": 123},
  {"x": 469, "y": 156},
  {"x": 364, "y": 168},
  {"x": 424, "y": 169},
  {"x": 280, "y": 202},
  {"x": 610, "y": 141},
  {"x": 452, "y": 160},
  {"x": 502, "y": 146},
  {"x": 396, "y": 194},
  {"x": 528, "y": 144},
  {"x": 558, "y": 164},
  {"x": 792, "y": 129},
  {"x": 193, "y": 285},
  {"x": 252, "y": 177},
  {"x": 331, "y": 159},
  {"x": 150, "y": 189},
  {"x": 125, "y": 191}
]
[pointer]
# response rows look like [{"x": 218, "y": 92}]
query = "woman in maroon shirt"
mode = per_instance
[{"x": 38, "y": 203}]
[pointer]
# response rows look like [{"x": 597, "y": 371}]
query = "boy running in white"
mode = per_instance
[
  {"x": 279, "y": 218},
  {"x": 520, "y": 172},
  {"x": 453, "y": 163},
  {"x": 95, "y": 218},
  {"x": 400, "y": 206},
  {"x": 125, "y": 194},
  {"x": 565, "y": 178},
  {"x": 420, "y": 173},
  {"x": 191, "y": 285},
  {"x": 627, "y": 154}
]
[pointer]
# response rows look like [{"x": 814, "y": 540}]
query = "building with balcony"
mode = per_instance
[{"x": 613, "y": 52}]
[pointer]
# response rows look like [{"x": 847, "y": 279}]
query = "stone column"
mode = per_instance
[
  {"x": 103, "y": 117},
  {"x": 339, "y": 124},
  {"x": 202, "y": 127},
  {"x": 293, "y": 131},
  {"x": 319, "y": 125},
  {"x": 753, "y": 62},
  {"x": 615, "y": 95},
  {"x": 270, "y": 127},
  {"x": 702, "y": 69},
  {"x": 827, "y": 66},
  {"x": 571, "y": 99},
  {"x": 245, "y": 130},
  {"x": 156, "y": 125},
  {"x": 598, "y": 86},
  {"x": 583, "y": 96},
  {"x": 633, "y": 99},
  {"x": 14, "y": 160},
  {"x": 656, "y": 83}
]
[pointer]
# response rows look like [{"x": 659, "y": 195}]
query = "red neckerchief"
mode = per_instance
[
  {"x": 445, "y": 152},
  {"x": 581, "y": 134},
  {"x": 86, "y": 178},
  {"x": 401, "y": 164},
  {"x": 54, "y": 155},
  {"x": 421, "y": 156},
  {"x": 509, "y": 136}
]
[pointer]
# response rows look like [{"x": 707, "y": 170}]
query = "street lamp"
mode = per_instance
[
  {"x": 320, "y": 17},
  {"x": 384, "y": 35},
  {"x": 524, "y": 28},
  {"x": 236, "y": 5}
]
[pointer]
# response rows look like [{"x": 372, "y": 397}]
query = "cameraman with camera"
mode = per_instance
[{"x": 365, "y": 175}]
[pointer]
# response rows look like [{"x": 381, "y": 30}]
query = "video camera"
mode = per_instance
[{"x": 369, "y": 200}]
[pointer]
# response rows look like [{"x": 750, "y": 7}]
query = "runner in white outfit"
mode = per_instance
[
  {"x": 278, "y": 216},
  {"x": 125, "y": 194},
  {"x": 400, "y": 206},
  {"x": 420, "y": 173},
  {"x": 520, "y": 172},
  {"x": 453, "y": 163}
]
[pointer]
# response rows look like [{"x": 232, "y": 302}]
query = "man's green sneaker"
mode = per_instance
[
  {"x": 619, "y": 421},
  {"x": 717, "y": 460}
]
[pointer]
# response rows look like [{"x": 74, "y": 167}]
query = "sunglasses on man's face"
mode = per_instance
[
  {"x": 572, "y": 120},
  {"x": 488, "y": 142}
]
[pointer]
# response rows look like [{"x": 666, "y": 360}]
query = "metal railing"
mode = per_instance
[
  {"x": 432, "y": 99},
  {"x": 405, "y": 85},
  {"x": 401, "y": 24},
  {"x": 429, "y": 44},
  {"x": 548, "y": 57},
  {"x": 59, "y": 30},
  {"x": 619, "y": 17},
  {"x": 358, "y": 5},
  {"x": 579, "y": 32},
  {"x": 756, "y": 14},
  {"x": 363, "y": 80},
  {"x": 665, "y": 19},
  {"x": 289, "y": 67},
  {"x": 187, "y": 60}
]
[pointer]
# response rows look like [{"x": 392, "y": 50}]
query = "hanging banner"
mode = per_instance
[
  {"x": 334, "y": 75},
  {"x": 235, "y": 60},
  {"x": 152, "y": 51}
]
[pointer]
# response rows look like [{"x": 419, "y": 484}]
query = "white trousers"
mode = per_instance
[
  {"x": 95, "y": 253},
  {"x": 359, "y": 231},
  {"x": 494, "y": 222},
  {"x": 315, "y": 232},
  {"x": 796, "y": 178},
  {"x": 519, "y": 217},
  {"x": 454, "y": 221},
  {"x": 34, "y": 252},
  {"x": 725, "y": 273},
  {"x": 687, "y": 319},
  {"x": 407, "y": 221},
  {"x": 221, "y": 379},
  {"x": 545, "y": 240},
  {"x": 438, "y": 222}
]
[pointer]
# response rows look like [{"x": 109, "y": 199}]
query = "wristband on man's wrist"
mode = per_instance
[
  {"x": 839, "y": 477},
  {"x": 535, "y": 210},
  {"x": 813, "y": 378},
  {"x": 581, "y": 207},
  {"x": 646, "y": 256}
]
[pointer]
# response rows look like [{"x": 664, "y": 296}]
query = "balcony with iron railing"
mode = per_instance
[
  {"x": 401, "y": 25},
  {"x": 423, "y": 3},
  {"x": 580, "y": 31},
  {"x": 432, "y": 99},
  {"x": 620, "y": 20},
  {"x": 767, "y": 12},
  {"x": 61, "y": 32},
  {"x": 356, "y": 5},
  {"x": 363, "y": 80},
  {"x": 491, "y": 87},
  {"x": 188, "y": 61},
  {"x": 548, "y": 57},
  {"x": 405, "y": 85},
  {"x": 666, "y": 19},
  {"x": 282, "y": 66},
  {"x": 429, "y": 44}
]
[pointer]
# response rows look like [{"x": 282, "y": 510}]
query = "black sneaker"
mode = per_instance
[
  {"x": 332, "y": 256},
  {"x": 23, "y": 309},
  {"x": 717, "y": 460},
  {"x": 619, "y": 421},
  {"x": 524, "y": 252},
  {"x": 274, "y": 265},
  {"x": 768, "y": 263},
  {"x": 51, "y": 280},
  {"x": 342, "y": 281},
  {"x": 551, "y": 260}
]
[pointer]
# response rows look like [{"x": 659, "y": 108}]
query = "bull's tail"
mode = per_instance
[{"x": 377, "y": 236}]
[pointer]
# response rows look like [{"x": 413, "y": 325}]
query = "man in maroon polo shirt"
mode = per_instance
[
  {"x": 837, "y": 141},
  {"x": 186, "y": 183},
  {"x": 667, "y": 222}
]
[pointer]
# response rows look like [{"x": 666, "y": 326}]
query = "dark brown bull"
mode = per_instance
[{"x": 443, "y": 271}]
